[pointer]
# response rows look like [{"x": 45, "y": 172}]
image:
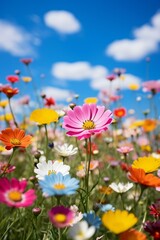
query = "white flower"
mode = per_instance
[
  {"x": 66, "y": 150},
  {"x": 81, "y": 231},
  {"x": 78, "y": 215},
  {"x": 46, "y": 168},
  {"x": 121, "y": 187}
]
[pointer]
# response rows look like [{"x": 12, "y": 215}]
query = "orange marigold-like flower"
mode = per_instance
[
  {"x": 138, "y": 175},
  {"x": 132, "y": 234},
  {"x": 149, "y": 125},
  {"x": 13, "y": 138}
]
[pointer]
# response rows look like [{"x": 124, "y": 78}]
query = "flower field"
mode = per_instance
[{"x": 78, "y": 172}]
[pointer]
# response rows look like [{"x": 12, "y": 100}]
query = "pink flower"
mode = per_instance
[
  {"x": 84, "y": 121},
  {"x": 153, "y": 86},
  {"x": 6, "y": 168},
  {"x": 125, "y": 149},
  {"x": 12, "y": 193},
  {"x": 61, "y": 216}
]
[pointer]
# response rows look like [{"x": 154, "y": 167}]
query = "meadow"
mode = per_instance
[{"x": 78, "y": 171}]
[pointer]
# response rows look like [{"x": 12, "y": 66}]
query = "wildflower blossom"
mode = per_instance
[
  {"x": 66, "y": 150},
  {"x": 44, "y": 168},
  {"x": 155, "y": 209},
  {"x": 132, "y": 234},
  {"x": 44, "y": 116},
  {"x": 13, "y": 138},
  {"x": 118, "y": 221},
  {"x": 106, "y": 207},
  {"x": 57, "y": 184},
  {"x": 125, "y": 149},
  {"x": 49, "y": 102},
  {"x": 153, "y": 228},
  {"x": 148, "y": 164},
  {"x": 91, "y": 100},
  {"x": 92, "y": 219},
  {"x": 81, "y": 231},
  {"x": 26, "y": 79},
  {"x": 61, "y": 216},
  {"x": 9, "y": 91},
  {"x": 3, "y": 103},
  {"x": 139, "y": 176},
  {"x": 12, "y": 193},
  {"x": 6, "y": 168},
  {"x": 82, "y": 122},
  {"x": 26, "y": 61},
  {"x": 119, "y": 112},
  {"x": 121, "y": 187},
  {"x": 77, "y": 215},
  {"x": 12, "y": 78}
]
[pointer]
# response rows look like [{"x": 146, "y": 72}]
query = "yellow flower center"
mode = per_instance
[
  {"x": 59, "y": 217},
  {"x": 80, "y": 234},
  {"x": 59, "y": 186},
  {"x": 9, "y": 91},
  {"x": 88, "y": 124},
  {"x": 51, "y": 172},
  {"x": 15, "y": 196},
  {"x": 15, "y": 141}
]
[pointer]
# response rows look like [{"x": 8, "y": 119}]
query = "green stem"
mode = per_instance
[
  {"x": 88, "y": 159},
  {"x": 9, "y": 161},
  {"x": 10, "y": 107},
  {"x": 46, "y": 133},
  {"x": 59, "y": 234}
]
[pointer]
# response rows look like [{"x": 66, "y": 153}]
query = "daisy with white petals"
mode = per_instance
[
  {"x": 121, "y": 187},
  {"x": 51, "y": 167},
  {"x": 81, "y": 231},
  {"x": 66, "y": 150}
]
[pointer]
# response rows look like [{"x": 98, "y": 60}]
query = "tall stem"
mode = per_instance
[
  {"x": 46, "y": 133},
  {"x": 87, "y": 172},
  {"x": 9, "y": 161},
  {"x": 10, "y": 107}
]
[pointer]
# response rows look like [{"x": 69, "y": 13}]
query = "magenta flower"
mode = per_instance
[
  {"x": 61, "y": 216},
  {"x": 84, "y": 121},
  {"x": 12, "y": 193}
]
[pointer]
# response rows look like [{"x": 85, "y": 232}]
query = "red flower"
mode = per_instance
[
  {"x": 49, "y": 102},
  {"x": 120, "y": 112},
  {"x": 9, "y": 91},
  {"x": 12, "y": 78},
  {"x": 26, "y": 61}
]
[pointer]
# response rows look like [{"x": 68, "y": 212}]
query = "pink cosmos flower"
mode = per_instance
[
  {"x": 6, "y": 168},
  {"x": 12, "y": 193},
  {"x": 153, "y": 86},
  {"x": 61, "y": 216},
  {"x": 125, "y": 149},
  {"x": 84, "y": 121}
]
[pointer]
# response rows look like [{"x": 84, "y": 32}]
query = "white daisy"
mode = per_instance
[
  {"x": 51, "y": 167},
  {"x": 81, "y": 231},
  {"x": 66, "y": 150},
  {"x": 121, "y": 187}
]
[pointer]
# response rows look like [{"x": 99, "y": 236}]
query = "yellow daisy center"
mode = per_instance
[
  {"x": 51, "y": 172},
  {"x": 15, "y": 141},
  {"x": 88, "y": 124},
  {"x": 15, "y": 196},
  {"x": 59, "y": 186},
  {"x": 60, "y": 217}
]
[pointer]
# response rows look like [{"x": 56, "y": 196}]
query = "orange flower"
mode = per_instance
[
  {"x": 138, "y": 175},
  {"x": 15, "y": 138},
  {"x": 149, "y": 125},
  {"x": 105, "y": 190},
  {"x": 9, "y": 91},
  {"x": 120, "y": 112},
  {"x": 132, "y": 234}
]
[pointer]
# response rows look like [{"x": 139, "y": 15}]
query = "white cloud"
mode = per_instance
[
  {"x": 78, "y": 71},
  {"x": 126, "y": 49},
  {"x": 57, "y": 93},
  {"x": 104, "y": 84},
  {"x": 62, "y": 21},
  {"x": 14, "y": 39},
  {"x": 145, "y": 42}
]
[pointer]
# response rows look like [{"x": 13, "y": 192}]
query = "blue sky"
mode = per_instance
[{"x": 75, "y": 44}]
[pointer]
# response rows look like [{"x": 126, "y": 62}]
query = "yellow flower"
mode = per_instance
[
  {"x": 3, "y": 103},
  {"x": 26, "y": 79},
  {"x": 146, "y": 148},
  {"x": 44, "y": 116},
  {"x": 118, "y": 221},
  {"x": 2, "y": 148},
  {"x": 133, "y": 86},
  {"x": 90, "y": 100},
  {"x": 7, "y": 117},
  {"x": 148, "y": 164},
  {"x": 138, "y": 123}
]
